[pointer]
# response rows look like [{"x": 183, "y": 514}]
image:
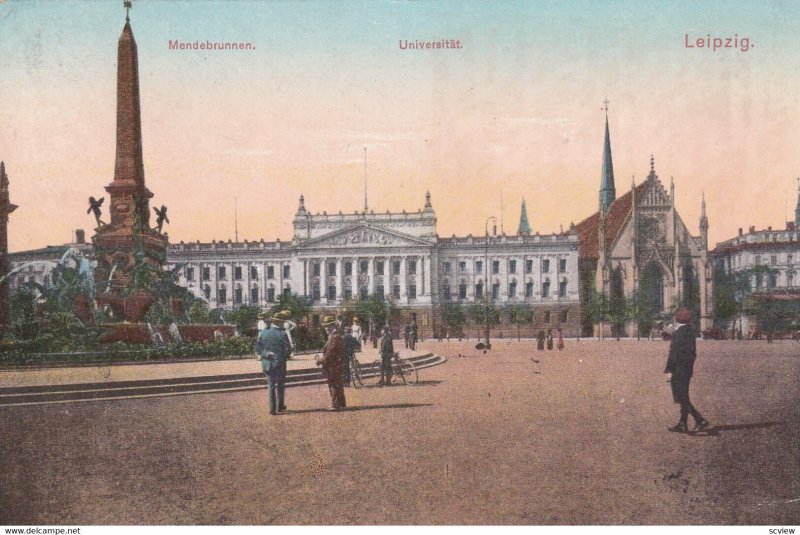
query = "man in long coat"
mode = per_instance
[
  {"x": 333, "y": 363},
  {"x": 273, "y": 346},
  {"x": 387, "y": 353},
  {"x": 351, "y": 345},
  {"x": 680, "y": 364}
]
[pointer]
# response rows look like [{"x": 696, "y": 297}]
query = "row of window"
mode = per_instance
[
  {"x": 222, "y": 272},
  {"x": 773, "y": 259},
  {"x": 363, "y": 292},
  {"x": 512, "y": 290},
  {"x": 380, "y": 268},
  {"x": 363, "y": 267},
  {"x": 447, "y": 267},
  {"x": 238, "y": 294}
]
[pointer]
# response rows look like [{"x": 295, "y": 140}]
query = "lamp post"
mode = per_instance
[{"x": 486, "y": 281}]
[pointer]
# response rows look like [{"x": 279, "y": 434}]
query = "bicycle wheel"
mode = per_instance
[
  {"x": 409, "y": 372},
  {"x": 355, "y": 373}
]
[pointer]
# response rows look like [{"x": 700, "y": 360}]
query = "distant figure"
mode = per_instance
[
  {"x": 263, "y": 321},
  {"x": 540, "y": 341},
  {"x": 406, "y": 333},
  {"x": 412, "y": 336},
  {"x": 356, "y": 330},
  {"x": 769, "y": 335},
  {"x": 560, "y": 339},
  {"x": 351, "y": 345},
  {"x": 387, "y": 353},
  {"x": 680, "y": 366},
  {"x": 218, "y": 335},
  {"x": 273, "y": 347},
  {"x": 333, "y": 362},
  {"x": 550, "y": 339}
]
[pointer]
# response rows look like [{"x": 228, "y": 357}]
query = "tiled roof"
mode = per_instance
[{"x": 615, "y": 219}]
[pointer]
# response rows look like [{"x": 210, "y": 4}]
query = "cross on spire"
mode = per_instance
[
  {"x": 652, "y": 163},
  {"x": 127, "y": 5},
  {"x": 605, "y": 105}
]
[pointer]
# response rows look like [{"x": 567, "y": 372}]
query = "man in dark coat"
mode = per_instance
[
  {"x": 387, "y": 353},
  {"x": 412, "y": 336},
  {"x": 680, "y": 364},
  {"x": 333, "y": 362},
  {"x": 351, "y": 345},
  {"x": 273, "y": 347},
  {"x": 540, "y": 341}
]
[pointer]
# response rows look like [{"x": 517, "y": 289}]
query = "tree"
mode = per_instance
[
  {"x": 518, "y": 313},
  {"x": 454, "y": 318},
  {"x": 245, "y": 318},
  {"x": 375, "y": 309},
  {"x": 641, "y": 310},
  {"x": 298, "y": 306},
  {"x": 596, "y": 309},
  {"x": 617, "y": 313}
]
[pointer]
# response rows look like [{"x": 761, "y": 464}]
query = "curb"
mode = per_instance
[{"x": 114, "y": 390}]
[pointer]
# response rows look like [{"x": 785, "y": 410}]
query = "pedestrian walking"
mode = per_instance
[
  {"x": 549, "y": 339},
  {"x": 333, "y": 362},
  {"x": 560, "y": 344},
  {"x": 540, "y": 341},
  {"x": 273, "y": 347},
  {"x": 387, "y": 353},
  {"x": 412, "y": 336},
  {"x": 680, "y": 366},
  {"x": 350, "y": 344}
]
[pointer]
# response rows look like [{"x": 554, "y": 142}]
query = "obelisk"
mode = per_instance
[{"x": 128, "y": 240}]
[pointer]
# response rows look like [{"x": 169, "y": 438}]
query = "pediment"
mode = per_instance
[{"x": 363, "y": 236}]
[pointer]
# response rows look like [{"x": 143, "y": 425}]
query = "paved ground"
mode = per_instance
[{"x": 577, "y": 438}]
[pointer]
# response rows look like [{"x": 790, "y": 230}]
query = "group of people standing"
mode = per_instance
[
  {"x": 274, "y": 347},
  {"x": 541, "y": 339}
]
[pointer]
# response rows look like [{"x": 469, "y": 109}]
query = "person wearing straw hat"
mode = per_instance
[
  {"x": 273, "y": 347},
  {"x": 333, "y": 363},
  {"x": 680, "y": 366}
]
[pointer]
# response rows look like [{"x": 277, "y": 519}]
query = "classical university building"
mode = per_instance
[{"x": 332, "y": 258}]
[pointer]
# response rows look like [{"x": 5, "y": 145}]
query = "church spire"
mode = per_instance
[
  {"x": 703, "y": 223},
  {"x": 524, "y": 226},
  {"x": 797, "y": 210},
  {"x": 607, "y": 190}
]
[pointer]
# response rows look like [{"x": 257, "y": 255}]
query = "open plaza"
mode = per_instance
[{"x": 512, "y": 436}]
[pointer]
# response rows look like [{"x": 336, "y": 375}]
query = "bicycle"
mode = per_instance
[
  {"x": 402, "y": 368},
  {"x": 355, "y": 372}
]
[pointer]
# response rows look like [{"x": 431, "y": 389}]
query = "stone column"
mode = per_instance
[
  {"x": 354, "y": 275},
  {"x": 371, "y": 274},
  {"x": 403, "y": 281},
  {"x": 339, "y": 279}
]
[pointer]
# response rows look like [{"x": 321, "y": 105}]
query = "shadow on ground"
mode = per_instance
[{"x": 363, "y": 408}]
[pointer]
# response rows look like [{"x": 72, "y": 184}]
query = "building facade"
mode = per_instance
[
  {"x": 397, "y": 256},
  {"x": 769, "y": 262},
  {"x": 637, "y": 246}
]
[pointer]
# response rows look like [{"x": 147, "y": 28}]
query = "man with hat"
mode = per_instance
[
  {"x": 273, "y": 346},
  {"x": 333, "y": 363},
  {"x": 387, "y": 353},
  {"x": 680, "y": 364}
]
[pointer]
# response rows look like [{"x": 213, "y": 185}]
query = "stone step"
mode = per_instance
[{"x": 170, "y": 386}]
